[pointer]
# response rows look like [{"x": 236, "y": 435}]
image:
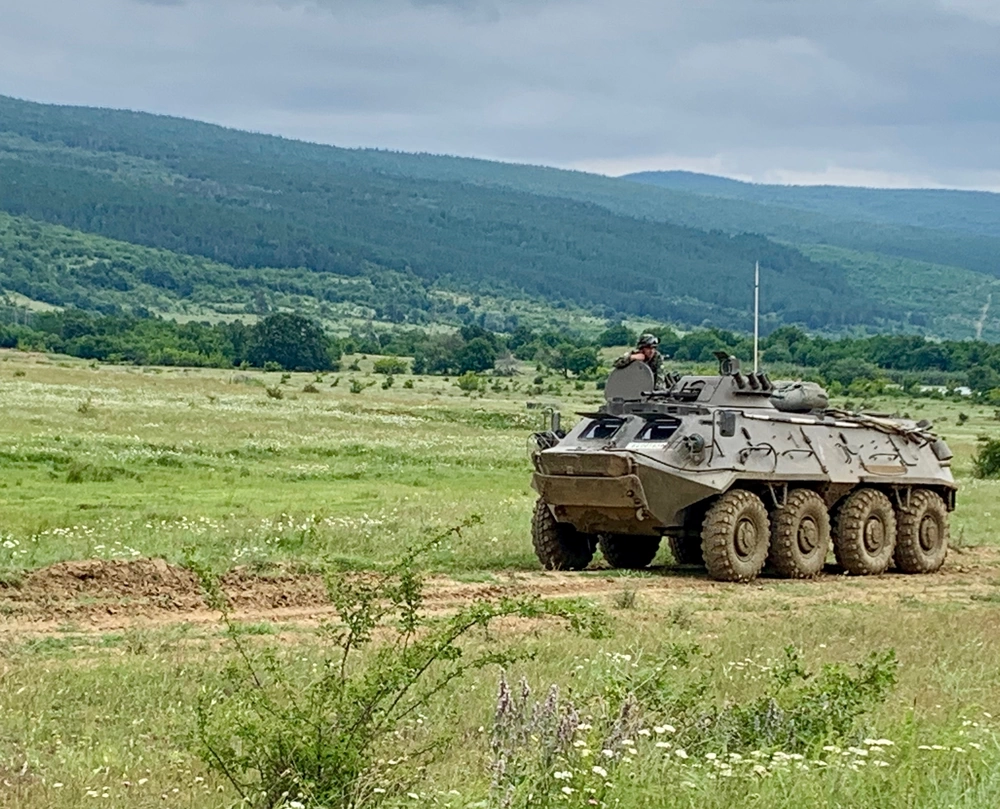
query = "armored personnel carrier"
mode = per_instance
[{"x": 737, "y": 474}]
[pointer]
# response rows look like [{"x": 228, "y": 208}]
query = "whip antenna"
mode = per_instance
[{"x": 756, "y": 313}]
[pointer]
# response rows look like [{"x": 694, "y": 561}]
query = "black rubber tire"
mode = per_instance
[
  {"x": 686, "y": 549},
  {"x": 800, "y": 535},
  {"x": 922, "y": 533},
  {"x": 559, "y": 546},
  {"x": 628, "y": 551},
  {"x": 864, "y": 534},
  {"x": 735, "y": 536}
]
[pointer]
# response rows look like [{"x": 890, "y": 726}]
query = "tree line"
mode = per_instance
[{"x": 292, "y": 342}]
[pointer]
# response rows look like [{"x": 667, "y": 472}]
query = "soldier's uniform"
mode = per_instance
[{"x": 655, "y": 362}]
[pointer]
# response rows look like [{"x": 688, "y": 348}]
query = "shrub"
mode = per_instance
[
  {"x": 986, "y": 461},
  {"x": 278, "y": 732},
  {"x": 469, "y": 381},
  {"x": 391, "y": 366}
]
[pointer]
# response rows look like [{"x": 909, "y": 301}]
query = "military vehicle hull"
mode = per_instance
[{"x": 714, "y": 454}]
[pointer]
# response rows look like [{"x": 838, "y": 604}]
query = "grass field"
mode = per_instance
[{"x": 211, "y": 468}]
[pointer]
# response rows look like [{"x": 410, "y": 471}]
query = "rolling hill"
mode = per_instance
[{"x": 260, "y": 212}]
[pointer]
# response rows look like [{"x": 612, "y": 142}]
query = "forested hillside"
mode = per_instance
[
  {"x": 240, "y": 212},
  {"x": 943, "y": 209},
  {"x": 254, "y": 201}
]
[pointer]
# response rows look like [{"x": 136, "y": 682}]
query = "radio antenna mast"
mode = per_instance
[{"x": 756, "y": 314}]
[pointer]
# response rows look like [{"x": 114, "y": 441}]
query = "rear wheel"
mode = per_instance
[
  {"x": 864, "y": 536},
  {"x": 922, "y": 533},
  {"x": 800, "y": 535},
  {"x": 735, "y": 536},
  {"x": 627, "y": 550},
  {"x": 559, "y": 546}
]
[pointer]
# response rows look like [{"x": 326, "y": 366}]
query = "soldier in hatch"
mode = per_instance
[{"x": 645, "y": 351}]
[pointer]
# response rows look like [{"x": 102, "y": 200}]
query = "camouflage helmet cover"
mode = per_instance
[{"x": 648, "y": 340}]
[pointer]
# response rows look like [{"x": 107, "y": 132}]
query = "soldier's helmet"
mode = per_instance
[{"x": 648, "y": 340}]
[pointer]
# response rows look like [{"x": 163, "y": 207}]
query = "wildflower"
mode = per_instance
[
  {"x": 643, "y": 732},
  {"x": 680, "y": 752},
  {"x": 608, "y": 753},
  {"x": 599, "y": 771},
  {"x": 664, "y": 745},
  {"x": 711, "y": 756},
  {"x": 413, "y": 795},
  {"x": 568, "y": 790},
  {"x": 661, "y": 729},
  {"x": 564, "y": 775}
]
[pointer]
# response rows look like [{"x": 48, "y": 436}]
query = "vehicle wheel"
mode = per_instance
[
  {"x": 922, "y": 533},
  {"x": 735, "y": 536},
  {"x": 800, "y": 535},
  {"x": 686, "y": 549},
  {"x": 864, "y": 536},
  {"x": 559, "y": 546},
  {"x": 628, "y": 551}
]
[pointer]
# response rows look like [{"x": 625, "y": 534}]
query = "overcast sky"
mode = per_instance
[{"x": 870, "y": 92}]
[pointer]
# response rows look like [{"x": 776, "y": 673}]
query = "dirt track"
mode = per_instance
[{"x": 103, "y": 595}]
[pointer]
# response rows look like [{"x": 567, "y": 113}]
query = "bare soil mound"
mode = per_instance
[
  {"x": 111, "y": 594},
  {"x": 144, "y": 587}
]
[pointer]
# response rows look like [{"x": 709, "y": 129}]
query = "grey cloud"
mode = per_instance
[{"x": 880, "y": 88}]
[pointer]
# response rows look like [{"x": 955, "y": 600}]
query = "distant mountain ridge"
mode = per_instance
[
  {"x": 619, "y": 247},
  {"x": 943, "y": 209}
]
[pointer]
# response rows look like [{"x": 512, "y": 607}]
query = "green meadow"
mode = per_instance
[{"x": 223, "y": 470}]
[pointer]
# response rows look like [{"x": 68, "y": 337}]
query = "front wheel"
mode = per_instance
[
  {"x": 628, "y": 551},
  {"x": 686, "y": 549},
  {"x": 559, "y": 546},
  {"x": 800, "y": 535},
  {"x": 735, "y": 536}
]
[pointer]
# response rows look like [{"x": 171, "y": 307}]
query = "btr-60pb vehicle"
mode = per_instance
[{"x": 737, "y": 473}]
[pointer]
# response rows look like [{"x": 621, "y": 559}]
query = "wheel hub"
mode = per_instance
[
  {"x": 929, "y": 533},
  {"x": 874, "y": 534},
  {"x": 808, "y": 535},
  {"x": 745, "y": 537}
]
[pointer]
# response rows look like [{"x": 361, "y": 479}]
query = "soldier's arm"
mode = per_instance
[{"x": 623, "y": 360}]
